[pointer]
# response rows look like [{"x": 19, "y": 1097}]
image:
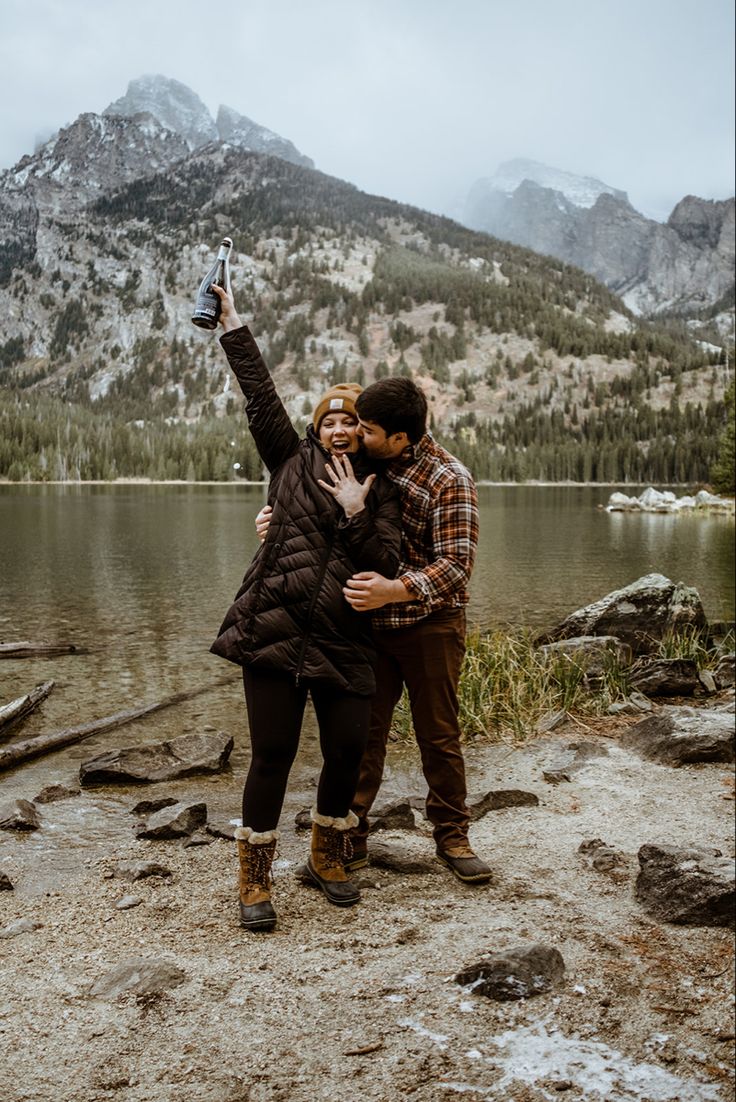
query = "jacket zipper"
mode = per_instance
[{"x": 310, "y": 611}]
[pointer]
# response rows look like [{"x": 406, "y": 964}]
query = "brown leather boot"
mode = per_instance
[
  {"x": 256, "y": 853},
  {"x": 331, "y": 848}
]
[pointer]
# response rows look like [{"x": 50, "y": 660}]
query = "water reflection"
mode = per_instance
[{"x": 143, "y": 574}]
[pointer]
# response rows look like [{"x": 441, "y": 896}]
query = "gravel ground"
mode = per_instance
[{"x": 362, "y": 1003}]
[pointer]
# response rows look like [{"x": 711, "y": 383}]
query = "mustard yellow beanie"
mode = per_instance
[{"x": 339, "y": 398}]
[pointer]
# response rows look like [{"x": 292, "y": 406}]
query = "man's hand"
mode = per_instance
[
  {"x": 229, "y": 318},
  {"x": 263, "y": 519},
  {"x": 369, "y": 590}
]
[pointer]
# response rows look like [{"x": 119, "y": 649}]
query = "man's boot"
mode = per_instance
[
  {"x": 465, "y": 864},
  {"x": 256, "y": 853},
  {"x": 331, "y": 849}
]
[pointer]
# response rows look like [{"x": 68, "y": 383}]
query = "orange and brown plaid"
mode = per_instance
[{"x": 439, "y": 521}]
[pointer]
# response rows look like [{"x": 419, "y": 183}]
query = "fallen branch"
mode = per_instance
[
  {"x": 18, "y": 709},
  {"x": 25, "y": 649},
  {"x": 19, "y": 752}
]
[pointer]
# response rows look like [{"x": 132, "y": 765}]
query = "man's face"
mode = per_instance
[{"x": 377, "y": 444}]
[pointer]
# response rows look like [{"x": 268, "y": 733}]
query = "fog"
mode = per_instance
[{"x": 412, "y": 99}]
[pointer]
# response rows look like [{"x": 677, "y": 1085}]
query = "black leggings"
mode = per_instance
[{"x": 275, "y": 713}]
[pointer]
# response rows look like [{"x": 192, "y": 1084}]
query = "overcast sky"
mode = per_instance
[{"x": 413, "y": 99}]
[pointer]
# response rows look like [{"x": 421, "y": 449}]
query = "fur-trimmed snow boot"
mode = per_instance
[
  {"x": 331, "y": 848},
  {"x": 256, "y": 853}
]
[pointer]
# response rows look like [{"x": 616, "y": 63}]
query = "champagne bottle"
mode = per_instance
[{"x": 207, "y": 308}]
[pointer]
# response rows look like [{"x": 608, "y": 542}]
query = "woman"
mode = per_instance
[{"x": 290, "y": 627}]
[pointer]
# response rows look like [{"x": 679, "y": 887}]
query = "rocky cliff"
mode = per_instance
[{"x": 685, "y": 265}]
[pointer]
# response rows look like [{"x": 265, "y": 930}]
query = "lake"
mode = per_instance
[{"x": 142, "y": 575}]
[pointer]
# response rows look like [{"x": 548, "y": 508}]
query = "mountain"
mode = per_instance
[
  {"x": 532, "y": 368},
  {"x": 181, "y": 110},
  {"x": 684, "y": 266}
]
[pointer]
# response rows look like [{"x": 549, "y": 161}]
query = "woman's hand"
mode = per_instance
[
  {"x": 228, "y": 316},
  {"x": 345, "y": 488},
  {"x": 263, "y": 519}
]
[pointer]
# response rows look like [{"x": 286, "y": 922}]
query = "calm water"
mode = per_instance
[{"x": 142, "y": 575}]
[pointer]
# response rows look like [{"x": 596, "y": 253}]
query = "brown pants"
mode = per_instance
[{"x": 425, "y": 657}]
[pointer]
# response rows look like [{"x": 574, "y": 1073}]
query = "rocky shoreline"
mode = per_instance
[{"x": 597, "y": 966}]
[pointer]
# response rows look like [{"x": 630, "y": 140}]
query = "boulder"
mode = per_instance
[
  {"x": 681, "y": 735},
  {"x": 517, "y": 973},
  {"x": 665, "y": 676},
  {"x": 592, "y": 653},
  {"x": 161, "y": 761},
  {"x": 688, "y": 886},
  {"x": 19, "y": 815},
  {"x": 178, "y": 821},
  {"x": 138, "y": 976},
  {"x": 640, "y": 615}
]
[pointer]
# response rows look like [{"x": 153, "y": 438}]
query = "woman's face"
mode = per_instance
[{"x": 338, "y": 432}]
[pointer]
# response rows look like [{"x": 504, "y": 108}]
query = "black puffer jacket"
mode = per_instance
[{"x": 290, "y": 614}]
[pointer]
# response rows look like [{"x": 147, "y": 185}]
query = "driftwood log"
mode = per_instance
[
  {"x": 26, "y": 649},
  {"x": 18, "y": 709},
  {"x": 18, "y": 752}
]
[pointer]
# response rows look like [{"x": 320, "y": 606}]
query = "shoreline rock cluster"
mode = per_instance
[{"x": 664, "y": 501}]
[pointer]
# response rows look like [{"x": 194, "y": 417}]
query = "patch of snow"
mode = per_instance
[
  {"x": 530, "y": 1054},
  {"x": 582, "y": 191}
]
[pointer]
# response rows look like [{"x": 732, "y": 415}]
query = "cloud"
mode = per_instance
[{"x": 410, "y": 99}]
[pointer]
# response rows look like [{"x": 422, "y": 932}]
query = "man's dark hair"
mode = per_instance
[{"x": 397, "y": 405}]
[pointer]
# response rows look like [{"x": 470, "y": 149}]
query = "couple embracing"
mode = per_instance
[{"x": 358, "y": 588}]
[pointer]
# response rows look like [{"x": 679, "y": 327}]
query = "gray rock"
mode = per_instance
[
  {"x": 665, "y": 677},
  {"x": 592, "y": 653},
  {"x": 687, "y": 886},
  {"x": 517, "y": 973},
  {"x": 600, "y": 856},
  {"x": 138, "y": 976},
  {"x": 199, "y": 838},
  {"x": 52, "y": 793},
  {"x": 19, "y": 815},
  {"x": 679, "y": 735},
  {"x": 549, "y": 721},
  {"x": 500, "y": 798},
  {"x": 127, "y": 901},
  {"x": 20, "y": 926},
  {"x": 148, "y": 807},
  {"x": 725, "y": 672},
  {"x": 707, "y": 682},
  {"x": 6, "y": 884},
  {"x": 220, "y": 827},
  {"x": 177, "y": 821},
  {"x": 575, "y": 757},
  {"x": 139, "y": 870},
  {"x": 640, "y": 614},
  {"x": 162, "y": 761},
  {"x": 394, "y": 816},
  {"x": 634, "y": 705}
]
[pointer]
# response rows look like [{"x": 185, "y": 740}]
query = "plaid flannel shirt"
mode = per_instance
[{"x": 439, "y": 521}]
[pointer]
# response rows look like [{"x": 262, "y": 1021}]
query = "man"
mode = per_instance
[{"x": 419, "y": 616}]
